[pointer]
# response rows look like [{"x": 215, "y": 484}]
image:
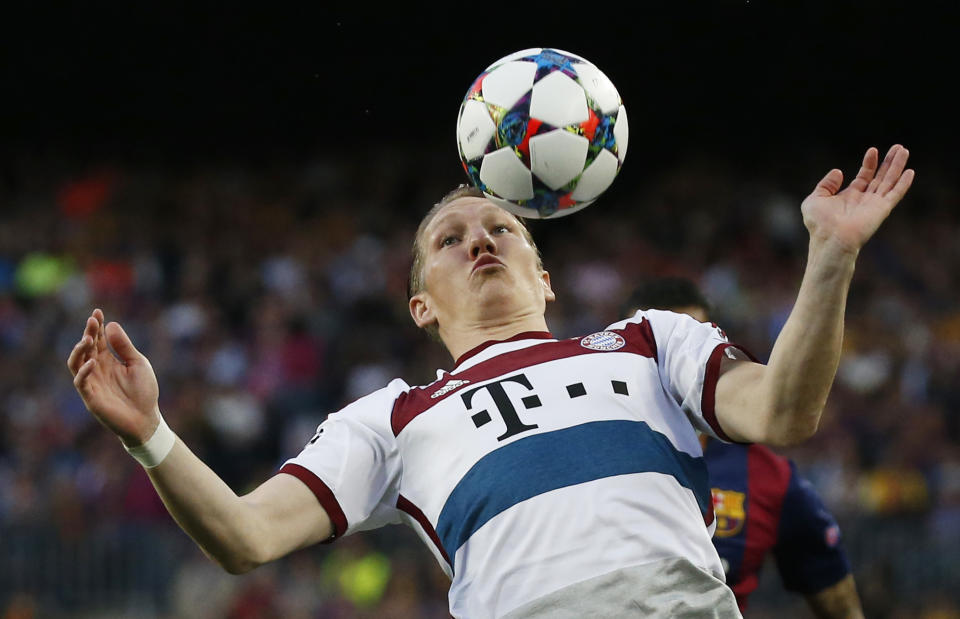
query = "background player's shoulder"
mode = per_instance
[
  {"x": 648, "y": 318},
  {"x": 664, "y": 319}
]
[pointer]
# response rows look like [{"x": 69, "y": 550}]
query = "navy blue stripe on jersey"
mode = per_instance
[{"x": 543, "y": 462}]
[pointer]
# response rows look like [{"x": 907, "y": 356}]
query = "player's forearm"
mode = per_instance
[
  {"x": 780, "y": 403},
  {"x": 219, "y": 521},
  {"x": 805, "y": 356}
]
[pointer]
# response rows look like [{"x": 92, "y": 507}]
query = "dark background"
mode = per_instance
[
  {"x": 742, "y": 80},
  {"x": 172, "y": 157}
]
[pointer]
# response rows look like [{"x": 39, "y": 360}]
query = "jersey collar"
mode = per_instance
[{"x": 471, "y": 355}]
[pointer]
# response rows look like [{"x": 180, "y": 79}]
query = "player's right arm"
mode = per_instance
[{"x": 237, "y": 532}]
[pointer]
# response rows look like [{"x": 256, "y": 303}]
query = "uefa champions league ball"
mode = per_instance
[{"x": 542, "y": 132}]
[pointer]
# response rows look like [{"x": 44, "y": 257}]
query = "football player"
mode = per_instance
[{"x": 550, "y": 478}]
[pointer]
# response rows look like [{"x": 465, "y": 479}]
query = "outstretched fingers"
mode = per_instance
[
  {"x": 79, "y": 355},
  {"x": 92, "y": 343},
  {"x": 80, "y": 380},
  {"x": 830, "y": 184},
  {"x": 85, "y": 348},
  {"x": 121, "y": 343},
  {"x": 894, "y": 172},
  {"x": 900, "y": 189},
  {"x": 884, "y": 168},
  {"x": 868, "y": 169},
  {"x": 91, "y": 329},
  {"x": 101, "y": 340}
]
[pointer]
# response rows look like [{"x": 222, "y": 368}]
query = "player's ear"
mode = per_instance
[
  {"x": 421, "y": 310},
  {"x": 548, "y": 294}
]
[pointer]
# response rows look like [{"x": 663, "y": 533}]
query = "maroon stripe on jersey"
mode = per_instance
[
  {"x": 405, "y": 505},
  {"x": 708, "y": 397},
  {"x": 324, "y": 496},
  {"x": 638, "y": 339},
  {"x": 710, "y": 378},
  {"x": 639, "y": 336},
  {"x": 710, "y": 515},
  {"x": 768, "y": 477},
  {"x": 526, "y": 335}
]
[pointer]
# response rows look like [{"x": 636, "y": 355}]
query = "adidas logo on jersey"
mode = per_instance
[{"x": 453, "y": 384}]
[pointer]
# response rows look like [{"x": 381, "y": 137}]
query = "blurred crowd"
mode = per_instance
[{"x": 267, "y": 296}]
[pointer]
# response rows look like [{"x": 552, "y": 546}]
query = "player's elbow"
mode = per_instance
[
  {"x": 238, "y": 563},
  {"x": 794, "y": 428},
  {"x": 789, "y": 439},
  {"x": 771, "y": 423},
  {"x": 236, "y": 567},
  {"x": 240, "y": 557}
]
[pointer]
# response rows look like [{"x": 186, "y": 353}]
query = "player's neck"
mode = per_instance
[{"x": 461, "y": 338}]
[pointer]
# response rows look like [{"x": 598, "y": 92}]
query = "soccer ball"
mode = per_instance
[{"x": 542, "y": 133}]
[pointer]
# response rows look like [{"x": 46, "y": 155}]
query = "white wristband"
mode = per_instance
[{"x": 152, "y": 453}]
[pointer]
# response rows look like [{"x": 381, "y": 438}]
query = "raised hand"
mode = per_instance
[
  {"x": 119, "y": 390},
  {"x": 848, "y": 218}
]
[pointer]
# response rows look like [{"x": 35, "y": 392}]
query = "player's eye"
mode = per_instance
[
  {"x": 500, "y": 229},
  {"x": 449, "y": 240}
]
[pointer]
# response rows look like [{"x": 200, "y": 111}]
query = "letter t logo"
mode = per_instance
[{"x": 504, "y": 405}]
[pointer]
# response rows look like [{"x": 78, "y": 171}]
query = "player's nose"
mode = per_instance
[{"x": 481, "y": 242}]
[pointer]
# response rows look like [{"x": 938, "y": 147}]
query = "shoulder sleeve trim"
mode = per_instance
[
  {"x": 709, "y": 395},
  {"x": 324, "y": 495}
]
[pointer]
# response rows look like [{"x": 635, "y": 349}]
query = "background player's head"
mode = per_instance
[
  {"x": 676, "y": 294},
  {"x": 444, "y": 285}
]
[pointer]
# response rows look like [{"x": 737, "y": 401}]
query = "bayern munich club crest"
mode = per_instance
[{"x": 603, "y": 340}]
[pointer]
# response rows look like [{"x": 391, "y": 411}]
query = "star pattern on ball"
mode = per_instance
[{"x": 542, "y": 133}]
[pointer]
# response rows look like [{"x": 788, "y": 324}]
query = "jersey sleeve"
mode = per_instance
[
  {"x": 689, "y": 354},
  {"x": 808, "y": 552},
  {"x": 352, "y": 464}
]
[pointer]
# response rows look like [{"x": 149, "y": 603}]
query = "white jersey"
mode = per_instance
[{"x": 545, "y": 473}]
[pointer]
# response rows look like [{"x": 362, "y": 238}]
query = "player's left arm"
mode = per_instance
[
  {"x": 838, "y": 601},
  {"x": 810, "y": 556},
  {"x": 780, "y": 403}
]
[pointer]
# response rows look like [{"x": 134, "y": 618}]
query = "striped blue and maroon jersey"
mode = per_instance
[
  {"x": 545, "y": 473},
  {"x": 763, "y": 506}
]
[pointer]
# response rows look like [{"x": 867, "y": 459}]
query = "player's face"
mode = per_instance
[{"x": 478, "y": 265}]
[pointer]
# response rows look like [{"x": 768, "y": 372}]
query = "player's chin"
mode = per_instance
[{"x": 493, "y": 281}]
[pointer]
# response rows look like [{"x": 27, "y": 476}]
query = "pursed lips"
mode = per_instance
[{"x": 485, "y": 260}]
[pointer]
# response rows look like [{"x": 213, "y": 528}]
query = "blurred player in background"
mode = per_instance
[
  {"x": 762, "y": 505},
  {"x": 550, "y": 478}
]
